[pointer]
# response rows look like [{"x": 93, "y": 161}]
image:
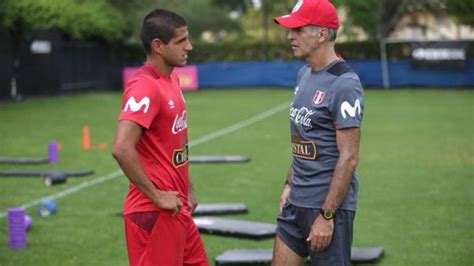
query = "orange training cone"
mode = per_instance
[
  {"x": 86, "y": 143},
  {"x": 102, "y": 146}
]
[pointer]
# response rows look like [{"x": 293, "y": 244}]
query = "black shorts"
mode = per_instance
[{"x": 294, "y": 224}]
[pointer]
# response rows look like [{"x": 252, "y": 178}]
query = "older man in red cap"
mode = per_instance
[{"x": 319, "y": 198}]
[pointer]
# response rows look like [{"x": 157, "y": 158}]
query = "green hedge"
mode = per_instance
[
  {"x": 258, "y": 51},
  {"x": 81, "y": 20},
  {"x": 204, "y": 52}
]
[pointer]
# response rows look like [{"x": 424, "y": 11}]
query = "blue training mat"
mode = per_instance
[
  {"x": 219, "y": 208},
  {"x": 235, "y": 228},
  {"x": 22, "y": 160},
  {"x": 40, "y": 173},
  {"x": 237, "y": 257}
]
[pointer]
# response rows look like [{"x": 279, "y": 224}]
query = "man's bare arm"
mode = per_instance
[
  {"x": 348, "y": 147},
  {"x": 123, "y": 150}
]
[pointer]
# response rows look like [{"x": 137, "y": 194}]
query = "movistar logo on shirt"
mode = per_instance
[
  {"x": 135, "y": 106},
  {"x": 301, "y": 116},
  {"x": 348, "y": 109}
]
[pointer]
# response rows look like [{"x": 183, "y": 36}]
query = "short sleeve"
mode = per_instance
[
  {"x": 140, "y": 102},
  {"x": 347, "y": 104}
]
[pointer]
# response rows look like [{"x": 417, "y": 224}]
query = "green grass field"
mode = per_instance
[{"x": 416, "y": 173}]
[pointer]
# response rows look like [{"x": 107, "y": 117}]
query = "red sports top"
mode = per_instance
[{"x": 156, "y": 103}]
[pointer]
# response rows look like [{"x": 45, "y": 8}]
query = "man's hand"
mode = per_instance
[
  {"x": 320, "y": 234},
  {"x": 169, "y": 200},
  {"x": 284, "y": 195}
]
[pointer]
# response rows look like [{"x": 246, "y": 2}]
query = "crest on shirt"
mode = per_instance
[
  {"x": 318, "y": 97},
  {"x": 135, "y": 106}
]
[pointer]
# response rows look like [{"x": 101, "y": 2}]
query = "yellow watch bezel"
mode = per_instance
[{"x": 327, "y": 214}]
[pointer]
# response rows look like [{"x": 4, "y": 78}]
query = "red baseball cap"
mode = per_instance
[{"x": 315, "y": 12}]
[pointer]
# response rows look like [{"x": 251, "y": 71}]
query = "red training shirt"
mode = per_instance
[{"x": 156, "y": 103}]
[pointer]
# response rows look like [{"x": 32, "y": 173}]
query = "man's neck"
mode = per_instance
[
  {"x": 160, "y": 65},
  {"x": 321, "y": 57}
]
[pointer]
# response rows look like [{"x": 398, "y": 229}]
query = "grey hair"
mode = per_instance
[{"x": 332, "y": 33}]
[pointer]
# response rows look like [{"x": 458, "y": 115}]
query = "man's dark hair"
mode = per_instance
[
  {"x": 332, "y": 35},
  {"x": 160, "y": 24}
]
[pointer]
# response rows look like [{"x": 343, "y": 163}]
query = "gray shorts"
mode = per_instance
[{"x": 294, "y": 224}]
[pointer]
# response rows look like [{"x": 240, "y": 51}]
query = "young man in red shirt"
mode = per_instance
[{"x": 151, "y": 147}]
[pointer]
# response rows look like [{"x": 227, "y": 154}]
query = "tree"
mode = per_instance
[
  {"x": 462, "y": 10},
  {"x": 201, "y": 15},
  {"x": 378, "y": 18},
  {"x": 78, "y": 19},
  {"x": 237, "y": 5}
]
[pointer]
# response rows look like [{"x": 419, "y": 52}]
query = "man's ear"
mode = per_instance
[
  {"x": 323, "y": 35},
  {"x": 156, "y": 46}
]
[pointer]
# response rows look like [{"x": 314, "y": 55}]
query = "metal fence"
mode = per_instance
[
  {"x": 50, "y": 64},
  {"x": 6, "y": 65}
]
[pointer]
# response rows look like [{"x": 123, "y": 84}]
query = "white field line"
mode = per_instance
[
  {"x": 240, "y": 125},
  {"x": 203, "y": 139}
]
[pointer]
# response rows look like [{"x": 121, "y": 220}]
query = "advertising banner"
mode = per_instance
[
  {"x": 188, "y": 76},
  {"x": 439, "y": 55}
]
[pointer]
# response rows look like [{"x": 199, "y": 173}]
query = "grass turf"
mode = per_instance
[{"x": 416, "y": 173}]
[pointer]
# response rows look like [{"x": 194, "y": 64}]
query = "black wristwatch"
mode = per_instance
[{"x": 327, "y": 214}]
